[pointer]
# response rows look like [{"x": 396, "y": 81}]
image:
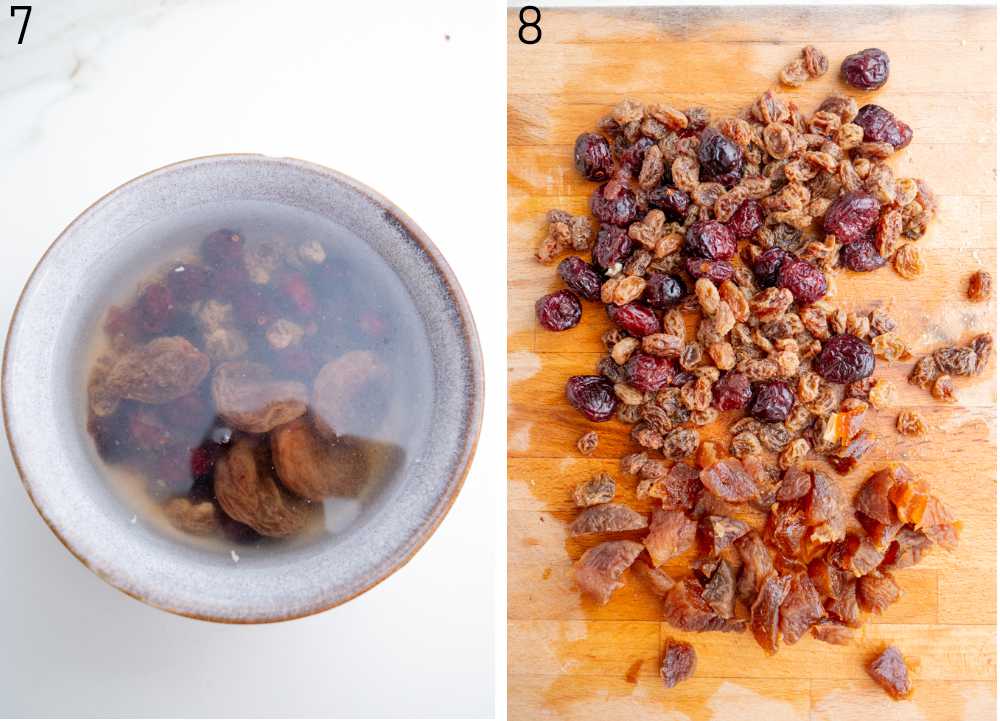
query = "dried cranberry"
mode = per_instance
[
  {"x": 592, "y": 156},
  {"x": 866, "y": 70},
  {"x": 720, "y": 158},
  {"x": 635, "y": 153},
  {"x": 747, "y": 218},
  {"x": 222, "y": 248},
  {"x": 772, "y": 401},
  {"x": 558, "y": 311},
  {"x": 732, "y": 392},
  {"x": 580, "y": 277},
  {"x": 635, "y": 319},
  {"x": 806, "y": 282},
  {"x": 717, "y": 271},
  {"x": 594, "y": 396},
  {"x": 621, "y": 210},
  {"x": 711, "y": 240},
  {"x": 844, "y": 359},
  {"x": 767, "y": 265},
  {"x": 881, "y": 126},
  {"x": 156, "y": 308},
  {"x": 672, "y": 201},
  {"x": 612, "y": 246},
  {"x": 664, "y": 290},
  {"x": 851, "y": 216},
  {"x": 649, "y": 373},
  {"x": 861, "y": 256},
  {"x": 189, "y": 283}
]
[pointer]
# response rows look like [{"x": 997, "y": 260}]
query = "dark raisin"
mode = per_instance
[
  {"x": 747, "y": 218},
  {"x": 851, "y": 216},
  {"x": 558, "y": 311},
  {"x": 717, "y": 271},
  {"x": 634, "y": 154},
  {"x": 612, "y": 246},
  {"x": 767, "y": 265},
  {"x": 592, "y": 155},
  {"x": 772, "y": 401},
  {"x": 861, "y": 256},
  {"x": 223, "y": 248},
  {"x": 711, "y": 240},
  {"x": 620, "y": 210},
  {"x": 682, "y": 379},
  {"x": 881, "y": 126},
  {"x": 156, "y": 308},
  {"x": 732, "y": 392},
  {"x": 844, "y": 359},
  {"x": 649, "y": 373},
  {"x": 866, "y": 70},
  {"x": 672, "y": 201},
  {"x": 635, "y": 319},
  {"x": 664, "y": 290},
  {"x": 189, "y": 283},
  {"x": 580, "y": 277},
  {"x": 593, "y": 396},
  {"x": 720, "y": 158},
  {"x": 806, "y": 282}
]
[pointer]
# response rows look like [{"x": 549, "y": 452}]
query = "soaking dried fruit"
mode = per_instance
[
  {"x": 316, "y": 467},
  {"x": 249, "y": 399},
  {"x": 558, "y": 311},
  {"x": 866, "y": 70},
  {"x": 199, "y": 518},
  {"x": 249, "y": 494},
  {"x": 607, "y": 518},
  {"x": 889, "y": 671},
  {"x": 599, "y": 570},
  {"x": 844, "y": 359},
  {"x": 679, "y": 662},
  {"x": 162, "y": 370}
]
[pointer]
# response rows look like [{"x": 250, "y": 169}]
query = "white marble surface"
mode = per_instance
[{"x": 408, "y": 98}]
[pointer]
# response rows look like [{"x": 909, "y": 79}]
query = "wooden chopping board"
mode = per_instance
[{"x": 569, "y": 658}]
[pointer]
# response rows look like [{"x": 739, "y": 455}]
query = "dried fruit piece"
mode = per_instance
[
  {"x": 649, "y": 373},
  {"x": 720, "y": 590},
  {"x": 558, "y": 311},
  {"x": 866, "y": 70},
  {"x": 721, "y": 531},
  {"x": 614, "y": 207},
  {"x": 800, "y": 610},
  {"x": 851, "y": 216},
  {"x": 685, "y": 609},
  {"x": 881, "y": 126},
  {"x": 678, "y": 489},
  {"x": 911, "y": 423},
  {"x": 249, "y": 494},
  {"x": 889, "y": 671},
  {"x": 980, "y": 286},
  {"x": 664, "y": 290},
  {"x": 772, "y": 401},
  {"x": 587, "y": 443},
  {"x": 679, "y": 662},
  {"x": 833, "y": 632},
  {"x": 908, "y": 261},
  {"x": 635, "y": 319},
  {"x": 670, "y": 534},
  {"x": 710, "y": 240},
  {"x": 729, "y": 481},
  {"x": 956, "y": 360},
  {"x": 599, "y": 489},
  {"x": 592, "y": 156},
  {"x": 348, "y": 394},
  {"x": 599, "y": 570},
  {"x": 658, "y": 581},
  {"x": 579, "y": 277},
  {"x": 248, "y": 399},
  {"x": 805, "y": 281},
  {"x": 607, "y": 518},
  {"x": 877, "y": 591},
  {"x": 162, "y": 370},
  {"x": 844, "y": 359},
  {"x": 765, "y": 612}
]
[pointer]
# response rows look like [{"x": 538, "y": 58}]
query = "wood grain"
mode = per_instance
[{"x": 570, "y": 658}]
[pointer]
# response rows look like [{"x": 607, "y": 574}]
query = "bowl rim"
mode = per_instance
[{"x": 474, "y": 403}]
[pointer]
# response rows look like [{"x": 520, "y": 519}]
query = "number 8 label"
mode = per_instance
[{"x": 534, "y": 24}]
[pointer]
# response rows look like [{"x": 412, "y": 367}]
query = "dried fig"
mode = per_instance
[
  {"x": 347, "y": 394},
  {"x": 250, "y": 400},
  {"x": 159, "y": 371},
  {"x": 249, "y": 494},
  {"x": 198, "y": 519},
  {"x": 315, "y": 467}
]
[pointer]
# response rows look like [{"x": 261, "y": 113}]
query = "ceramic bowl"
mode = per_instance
[{"x": 44, "y": 400}]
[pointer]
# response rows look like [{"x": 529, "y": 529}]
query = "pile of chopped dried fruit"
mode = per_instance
[
  {"x": 226, "y": 384},
  {"x": 734, "y": 229}
]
